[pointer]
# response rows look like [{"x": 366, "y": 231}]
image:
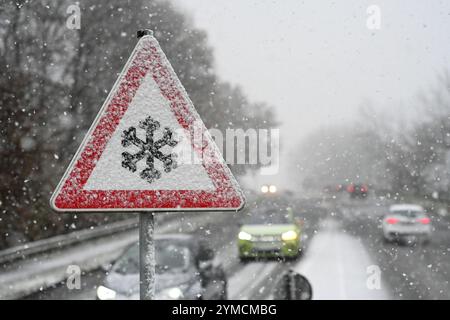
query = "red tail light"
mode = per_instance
[
  {"x": 391, "y": 220},
  {"x": 363, "y": 189},
  {"x": 424, "y": 220}
]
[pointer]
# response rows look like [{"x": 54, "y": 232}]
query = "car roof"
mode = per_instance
[
  {"x": 187, "y": 239},
  {"x": 406, "y": 207}
]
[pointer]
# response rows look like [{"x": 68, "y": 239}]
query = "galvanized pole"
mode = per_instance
[
  {"x": 146, "y": 256},
  {"x": 146, "y": 243}
]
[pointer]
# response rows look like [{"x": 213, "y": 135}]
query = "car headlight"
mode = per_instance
[
  {"x": 104, "y": 293},
  {"x": 244, "y": 236},
  {"x": 289, "y": 235},
  {"x": 170, "y": 294}
]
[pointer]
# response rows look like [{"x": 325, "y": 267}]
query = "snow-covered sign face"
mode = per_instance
[{"x": 147, "y": 149}]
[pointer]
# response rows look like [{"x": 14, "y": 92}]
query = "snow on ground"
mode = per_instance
[
  {"x": 336, "y": 265},
  {"x": 242, "y": 284}
]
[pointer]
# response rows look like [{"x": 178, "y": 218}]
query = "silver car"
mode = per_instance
[
  {"x": 407, "y": 222},
  {"x": 185, "y": 269}
]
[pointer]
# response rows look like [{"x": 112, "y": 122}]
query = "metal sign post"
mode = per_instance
[
  {"x": 146, "y": 242},
  {"x": 146, "y": 256},
  {"x": 115, "y": 169}
]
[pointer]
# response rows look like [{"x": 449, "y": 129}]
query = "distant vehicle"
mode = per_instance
[
  {"x": 184, "y": 270},
  {"x": 269, "y": 233},
  {"x": 357, "y": 190},
  {"x": 406, "y": 222}
]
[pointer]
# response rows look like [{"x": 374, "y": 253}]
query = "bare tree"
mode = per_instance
[{"x": 54, "y": 80}]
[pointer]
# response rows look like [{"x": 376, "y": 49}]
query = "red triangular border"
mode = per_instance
[{"x": 70, "y": 196}]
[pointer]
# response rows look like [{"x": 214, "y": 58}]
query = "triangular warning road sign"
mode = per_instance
[{"x": 143, "y": 153}]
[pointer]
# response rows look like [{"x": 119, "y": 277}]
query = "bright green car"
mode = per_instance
[{"x": 270, "y": 233}]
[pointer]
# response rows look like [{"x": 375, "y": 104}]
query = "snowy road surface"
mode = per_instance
[
  {"x": 336, "y": 265},
  {"x": 344, "y": 239}
]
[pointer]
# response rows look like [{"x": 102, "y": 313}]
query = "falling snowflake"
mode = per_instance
[{"x": 148, "y": 149}]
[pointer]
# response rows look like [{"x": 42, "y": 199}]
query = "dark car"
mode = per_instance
[
  {"x": 185, "y": 269},
  {"x": 357, "y": 190}
]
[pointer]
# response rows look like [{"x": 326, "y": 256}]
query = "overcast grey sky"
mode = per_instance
[{"x": 316, "y": 61}]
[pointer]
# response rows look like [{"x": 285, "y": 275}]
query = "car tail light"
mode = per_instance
[
  {"x": 391, "y": 220},
  {"x": 424, "y": 220},
  {"x": 363, "y": 189}
]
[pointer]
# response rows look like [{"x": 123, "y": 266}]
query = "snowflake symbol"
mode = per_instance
[{"x": 149, "y": 149}]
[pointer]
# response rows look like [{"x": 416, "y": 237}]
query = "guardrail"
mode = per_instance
[
  {"x": 64, "y": 240},
  {"x": 57, "y": 242}
]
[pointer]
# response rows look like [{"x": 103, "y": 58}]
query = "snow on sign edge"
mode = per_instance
[{"x": 228, "y": 195}]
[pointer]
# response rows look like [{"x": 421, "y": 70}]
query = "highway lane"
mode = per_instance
[
  {"x": 414, "y": 271},
  {"x": 246, "y": 281},
  {"x": 337, "y": 266},
  {"x": 343, "y": 240}
]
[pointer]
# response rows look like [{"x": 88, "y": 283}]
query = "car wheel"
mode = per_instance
[
  {"x": 243, "y": 259},
  {"x": 294, "y": 258}
]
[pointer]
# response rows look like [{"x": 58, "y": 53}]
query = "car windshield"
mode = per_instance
[
  {"x": 408, "y": 213},
  {"x": 269, "y": 217},
  {"x": 170, "y": 257},
  {"x": 128, "y": 263}
]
